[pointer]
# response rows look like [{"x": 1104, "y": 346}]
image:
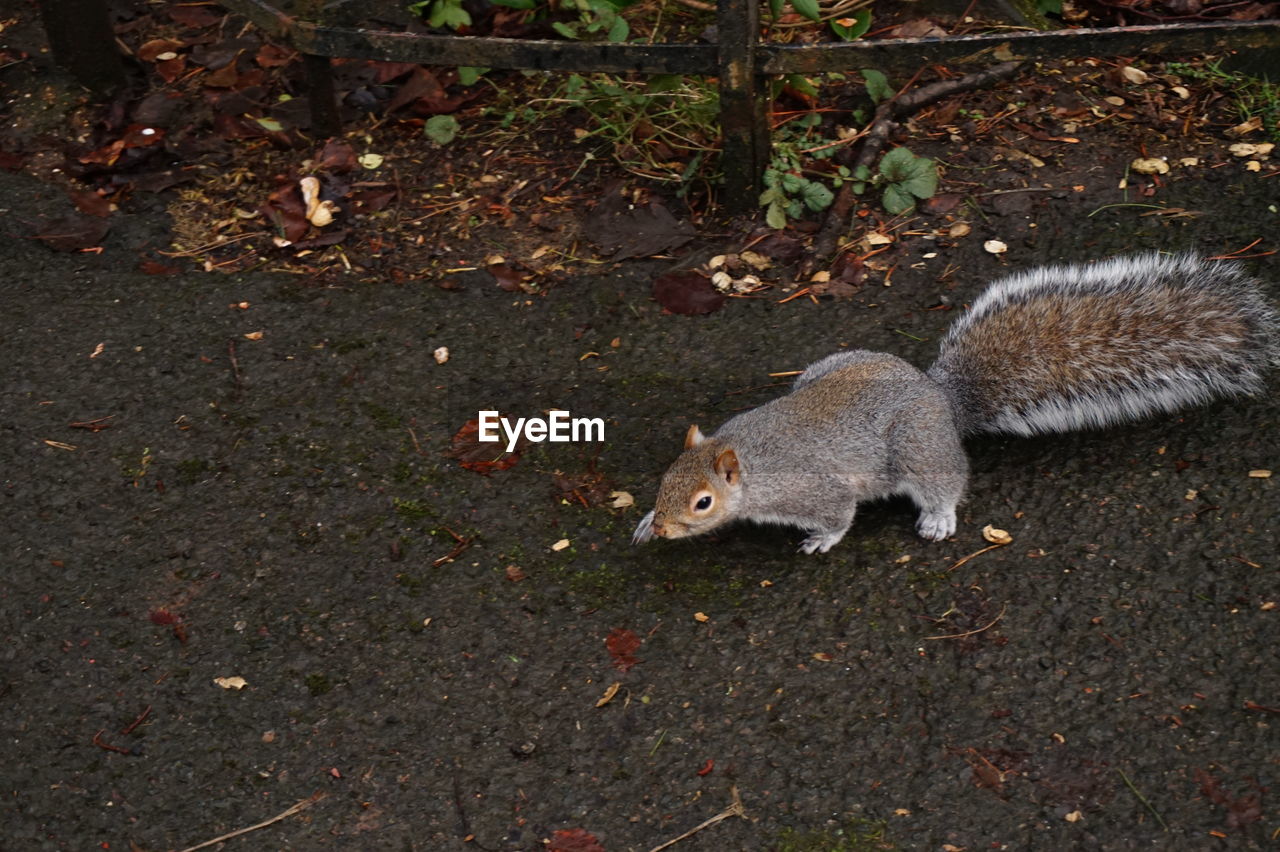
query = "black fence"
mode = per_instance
[{"x": 81, "y": 40}]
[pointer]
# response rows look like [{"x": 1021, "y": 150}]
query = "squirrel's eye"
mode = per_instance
[{"x": 703, "y": 503}]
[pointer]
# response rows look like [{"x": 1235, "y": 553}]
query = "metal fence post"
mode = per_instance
[
  {"x": 744, "y": 104},
  {"x": 81, "y": 41},
  {"x": 321, "y": 96}
]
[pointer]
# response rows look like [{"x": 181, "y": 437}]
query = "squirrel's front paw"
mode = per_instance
[
  {"x": 821, "y": 542},
  {"x": 936, "y": 526}
]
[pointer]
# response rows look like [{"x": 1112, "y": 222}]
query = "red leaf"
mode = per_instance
[
  {"x": 574, "y": 840},
  {"x": 90, "y": 202},
  {"x": 273, "y": 56},
  {"x": 193, "y": 17},
  {"x": 171, "y": 69},
  {"x": 706, "y": 768},
  {"x": 622, "y": 645},
  {"x": 482, "y": 457},
  {"x": 336, "y": 156},
  {"x": 372, "y": 200},
  {"x": 687, "y": 292},
  {"x": 162, "y": 617},
  {"x": 155, "y": 267},
  {"x": 284, "y": 209},
  {"x": 425, "y": 92},
  {"x": 508, "y": 279},
  {"x": 151, "y": 49}
]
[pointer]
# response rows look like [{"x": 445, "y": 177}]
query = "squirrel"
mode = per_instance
[{"x": 1051, "y": 349}]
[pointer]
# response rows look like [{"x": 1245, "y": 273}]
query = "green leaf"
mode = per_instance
[
  {"x": 771, "y": 177},
  {"x": 862, "y": 173},
  {"x": 771, "y": 195},
  {"x": 897, "y": 200},
  {"x": 775, "y": 8},
  {"x": 516, "y": 4},
  {"x": 859, "y": 187},
  {"x": 776, "y": 216},
  {"x": 793, "y": 182},
  {"x": 922, "y": 178},
  {"x": 895, "y": 164},
  {"x": 808, "y": 8},
  {"x": 802, "y": 85},
  {"x": 270, "y": 124},
  {"x": 795, "y": 209},
  {"x": 817, "y": 197},
  {"x": 659, "y": 83},
  {"x": 878, "y": 88},
  {"x": 619, "y": 31},
  {"x": 566, "y": 30},
  {"x": 468, "y": 74},
  {"x": 441, "y": 129},
  {"x": 861, "y": 23}
]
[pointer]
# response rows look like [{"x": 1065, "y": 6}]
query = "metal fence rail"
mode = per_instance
[{"x": 740, "y": 61}]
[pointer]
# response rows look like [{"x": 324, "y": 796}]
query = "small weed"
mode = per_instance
[
  {"x": 1253, "y": 98},
  {"x": 856, "y": 835}
]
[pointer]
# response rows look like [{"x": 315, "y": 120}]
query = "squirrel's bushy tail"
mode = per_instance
[{"x": 1072, "y": 347}]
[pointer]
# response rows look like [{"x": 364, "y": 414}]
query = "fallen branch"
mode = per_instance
[
  {"x": 300, "y": 806},
  {"x": 888, "y": 115},
  {"x": 735, "y": 809}
]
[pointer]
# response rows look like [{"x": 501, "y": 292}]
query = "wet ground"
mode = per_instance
[{"x": 279, "y": 508}]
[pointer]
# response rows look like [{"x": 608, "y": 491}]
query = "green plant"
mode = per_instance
[
  {"x": 441, "y": 129},
  {"x": 906, "y": 177},
  {"x": 449, "y": 13},
  {"x": 596, "y": 18},
  {"x": 1251, "y": 97},
  {"x": 790, "y": 189},
  {"x": 661, "y": 127}
]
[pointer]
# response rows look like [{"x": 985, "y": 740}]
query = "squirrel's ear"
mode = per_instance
[
  {"x": 726, "y": 466},
  {"x": 693, "y": 437}
]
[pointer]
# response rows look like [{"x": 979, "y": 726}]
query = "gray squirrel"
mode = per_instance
[{"x": 1047, "y": 350}]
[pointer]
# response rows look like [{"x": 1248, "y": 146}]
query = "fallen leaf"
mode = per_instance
[
  {"x": 621, "y": 500},
  {"x": 73, "y": 232},
  {"x": 370, "y": 161},
  {"x": 687, "y": 292},
  {"x": 441, "y": 354},
  {"x": 622, "y": 645},
  {"x": 634, "y": 231},
  {"x": 611, "y": 691},
  {"x": 994, "y": 247},
  {"x": 573, "y": 840},
  {"x": 482, "y": 457},
  {"x": 274, "y": 55},
  {"x": 231, "y": 682},
  {"x": 336, "y": 156},
  {"x": 515, "y": 573},
  {"x": 560, "y": 545}
]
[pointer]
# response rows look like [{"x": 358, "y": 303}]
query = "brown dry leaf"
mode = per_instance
[
  {"x": 611, "y": 691},
  {"x": 515, "y": 573},
  {"x": 236, "y": 683},
  {"x": 150, "y": 51},
  {"x": 73, "y": 232}
]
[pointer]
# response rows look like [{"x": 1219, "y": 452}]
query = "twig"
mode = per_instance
[
  {"x": 235, "y": 364},
  {"x": 136, "y": 722},
  {"x": 462, "y": 544},
  {"x": 97, "y": 740},
  {"x": 991, "y": 624},
  {"x": 300, "y": 806},
  {"x": 1142, "y": 798},
  {"x": 202, "y": 249},
  {"x": 735, "y": 809},
  {"x": 972, "y": 555}
]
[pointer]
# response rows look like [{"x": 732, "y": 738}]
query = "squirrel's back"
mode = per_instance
[{"x": 1070, "y": 347}]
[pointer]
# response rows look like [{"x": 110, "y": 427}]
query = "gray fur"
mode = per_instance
[{"x": 1052, "y": 349}]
